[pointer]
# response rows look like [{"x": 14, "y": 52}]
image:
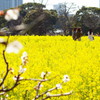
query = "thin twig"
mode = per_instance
[
  {"x": 57, "y": 95},
  {"x": 39, "y": 85},
  {"x": 42, "y": 80},
  {"x": 25, "y": 96},
  {"x": 15, "y": 84},
  {"x": 7, "y": 65},
  {"x": 41, "y": 95},
  {"x": 2, "y": 93}
]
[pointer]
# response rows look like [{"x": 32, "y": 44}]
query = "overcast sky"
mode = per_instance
[{"x": 50, "y": 3}]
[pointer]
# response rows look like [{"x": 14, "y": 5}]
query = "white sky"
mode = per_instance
[{"x": 50, "y": 3}]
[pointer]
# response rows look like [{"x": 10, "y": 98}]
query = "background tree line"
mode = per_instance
[{"x": 63, "y": 19}]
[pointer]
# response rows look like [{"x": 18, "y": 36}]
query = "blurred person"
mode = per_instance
[
  {"x": 73, "y": 33},
  {"x": 90, "y": 35},
  {"x": 77, "y": 34}
]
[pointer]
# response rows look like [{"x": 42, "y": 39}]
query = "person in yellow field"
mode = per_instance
[
  {"x": 77, "y": 34},
  {"x": 90, "y": 35}
]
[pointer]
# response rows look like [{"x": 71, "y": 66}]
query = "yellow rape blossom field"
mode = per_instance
[{"x": 60, "y": 55}]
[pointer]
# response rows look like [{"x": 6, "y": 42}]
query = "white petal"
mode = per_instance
[
  {"x": 7, "y": 17},
  {"x": 48, "y": 94},
  {"x": 22, "y": 70},
  {"x": 65, "y": 78},
  {"x": 14, "y": 47},
  {"x": 12, "y": 14},
  {"x": 43, "y": 74},
  {"x": 2, "y": 40},
  {"x": 59, "y": 86},
  {"x": 24, "y": 54}
]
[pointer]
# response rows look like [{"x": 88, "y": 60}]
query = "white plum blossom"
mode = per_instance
[
  {"x": 24, "y": 58},
  {"x": 22, "y": 70},
  {"x": 12, "y": 14},
  {"x": 48, "y": 73},
  {"x": 66, "y": 78},
  {"x": 15, "y": 78},
  {"x": 1, "y": 79},
  {"x": 7, "y": 95},
  {"x": 58, "y": 86},
  {"x": 2, "y": 40},
  {"x": 20, "y": 78},
  {"x": 48, "y": 94},
  {"x": 14, "y": 47},
  {"x": 25, "y": 54},
  {"x": 43, "y": 74}
]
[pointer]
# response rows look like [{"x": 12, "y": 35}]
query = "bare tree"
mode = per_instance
[
  {"x": 66, "y": 16},
  {"x": 41, "y": 1}
]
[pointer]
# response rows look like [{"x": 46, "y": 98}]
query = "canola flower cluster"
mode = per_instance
[{"x": 79, "y": 61}]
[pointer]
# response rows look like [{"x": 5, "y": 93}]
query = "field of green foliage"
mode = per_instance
[{"x": 60, "y": 55}]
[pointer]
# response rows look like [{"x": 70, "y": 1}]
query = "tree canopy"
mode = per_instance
[
  {"x": 88, "y": 18},
  {"x": 40, "y": 21},
  {"x": 43, "y": 26}
]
